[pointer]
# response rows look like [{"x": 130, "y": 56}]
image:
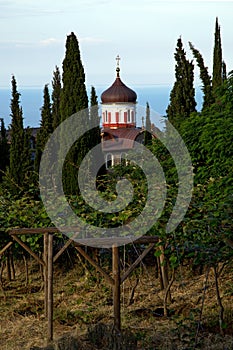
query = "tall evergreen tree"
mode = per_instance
[
  {"x": 20, "y": 143},
  {"x": 74, "y": 95},
  {"x": 56, "y": 97},
  {"x": 4, "y": 149},
  {"x": 94, "y": 102},
  {"x": 16, "y": 135},
  {"x": 27, "y": 159},
  {"x": 73, "y": 99},
  {"x": 95, "y": 137},
  {"x": 148, "y": 136},
  {"x": 208, "y": 98},
  {"x": 46, "y": 127},
  {"x": 95, "y": 132},
  {"x": 182, "y": 97},
  {"x": 217, "y": 59},
  {"x": 224, "y": 71}
]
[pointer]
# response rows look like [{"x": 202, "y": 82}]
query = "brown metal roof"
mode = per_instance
[{"x": 118, "y": 92}]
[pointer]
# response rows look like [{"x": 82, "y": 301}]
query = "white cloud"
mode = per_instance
[
  {"x": 14, "y": 43},
  {"x": 50, "y": 41},
  {"x": 30, "y": 44},
  {"x": 92, "y": 40},
  {"x": 25, "y": 9}
]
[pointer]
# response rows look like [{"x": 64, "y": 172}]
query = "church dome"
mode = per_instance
[{"x": 118, "y": 92}]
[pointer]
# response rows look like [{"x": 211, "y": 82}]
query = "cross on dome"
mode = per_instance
[
  {"x": 118, "y": 60},
  {"x": 118, "y": 92},
  {"x": 118, "y": 66}
]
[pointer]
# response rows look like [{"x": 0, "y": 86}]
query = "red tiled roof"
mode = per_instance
[{"x": 119, "y": 139}]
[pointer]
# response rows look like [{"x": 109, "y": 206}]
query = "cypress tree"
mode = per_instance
[
  {"x": 74, "y": 96},
  {"x": 46, "y": 127},
  {"x": 94, "y": 102},
  {"x": 27, "y": 158},
  {"x": 73, "y": 99},
  {"x": 95, "y": 137},
  {"x": 94, "y": 97},
  {"x": 56, "y": 97},
  {"x": 217, "y": 58},
  {"x": 17, "y": 136},
  {"x": 148, "y": 136},
  {"x": 95, "y": 132},
  {"x": 20, "y": 143},
  {"x": 4, "y": 149},
  {"x": 205, "y": 77},
  {"x": 224, "y": 71},
  {"x": 182, "y": 97}
]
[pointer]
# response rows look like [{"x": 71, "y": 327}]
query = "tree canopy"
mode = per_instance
[
  {"x": 182, "y": 97},
  {"x": 20, "y": 153},
  {"x": 73, "y": 99}
]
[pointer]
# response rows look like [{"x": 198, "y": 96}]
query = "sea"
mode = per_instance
[{"x": 31, "y": 100}]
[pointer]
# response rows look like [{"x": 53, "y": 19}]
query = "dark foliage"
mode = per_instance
[{"x": 182, "y": 97}]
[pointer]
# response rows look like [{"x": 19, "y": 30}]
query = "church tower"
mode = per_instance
[
  {"x": 119, "y": 122},
  {"x": 118, "y": 104}
]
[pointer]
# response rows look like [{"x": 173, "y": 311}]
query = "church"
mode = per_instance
[{"x": 119, "y": 126}]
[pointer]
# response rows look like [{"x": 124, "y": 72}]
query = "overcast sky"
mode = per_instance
[{"x": 143, "y": 32}]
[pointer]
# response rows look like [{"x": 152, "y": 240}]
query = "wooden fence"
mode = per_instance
[{"x": 115, "y": 279}]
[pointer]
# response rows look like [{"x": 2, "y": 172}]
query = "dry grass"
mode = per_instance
[{"x": 82, "y": 299}]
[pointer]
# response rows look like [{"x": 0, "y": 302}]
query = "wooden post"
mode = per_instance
[
  {"x": 164, "y": 272},
  {"x": 160, "y": 273},
  {"x": 8, "y": 265},
  {"x": 45, "y": 258},
  {"x": 50, "y": 287},
  {"x": 12, "y": 265},
  {"x": 116, "y": 288}
]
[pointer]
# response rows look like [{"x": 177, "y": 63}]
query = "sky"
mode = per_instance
[{"x": 143, "y": 32}]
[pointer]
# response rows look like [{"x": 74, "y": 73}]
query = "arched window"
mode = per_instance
[
  {"x": 109, "y": 160},
  {"x": 123, "y": 158}
]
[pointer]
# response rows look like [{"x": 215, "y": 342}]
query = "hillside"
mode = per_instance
[{"x": 83, "y": 314}]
